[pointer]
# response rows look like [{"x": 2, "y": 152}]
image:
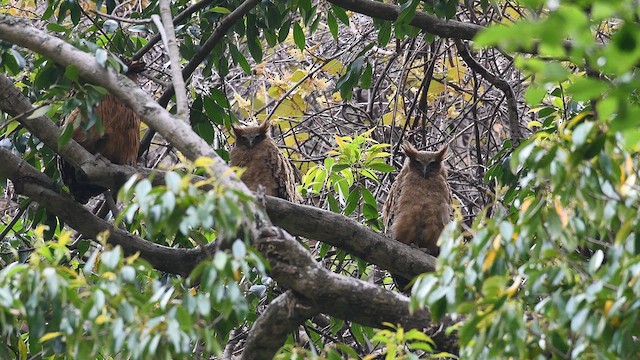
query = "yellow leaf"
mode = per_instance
[
  {"x": 49, "y": 336},
  {"x": 298, "y": 75},
  {"x": 203, "y": 161},
  {"x": 488, "y": 261},
  {"x": 101, "y": 319},
  {"x": 275, "y": 92},
  {"x": 452, "y": 112},
  {"x": 534, "y": 123},
  {"x": 130, "y": 259},
  {"x": 336, "y": 96},
  {"x": 615, "y": 321},
  {"x": 436, "y": 88},
  {"x": 22, "y": 350},
  {"x": 242, "y": 103},
  {"x": 39, "y": 231},
  {"x": 511, "y": 290},
  {"x": 562, "y": 213},
  {"x": 389, "y": 119},
  {"x": 288, "y": 109},
  {"x": 293, "y": 140},
  {"x": 334, "y": 67}
]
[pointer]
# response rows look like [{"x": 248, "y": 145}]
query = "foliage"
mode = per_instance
[
  {"x": 353, "y": 161},
  {"x": 57, "y": 305},
  {"x": 185, "y": 211}
]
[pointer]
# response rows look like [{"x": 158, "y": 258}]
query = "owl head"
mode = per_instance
[
  {"x": 251, "y": 135},
  {"x": 425, "y": 163}
]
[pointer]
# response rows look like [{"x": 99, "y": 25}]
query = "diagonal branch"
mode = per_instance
[
  {"x": 175, "y": 131},
  {"x": 40, "y": 188}
]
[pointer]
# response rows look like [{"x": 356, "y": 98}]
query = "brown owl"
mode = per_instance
[
  {"x": 119, "y": 143},
  {"x": 265, "y": 165},
  {"x": 419, "y": 203}
]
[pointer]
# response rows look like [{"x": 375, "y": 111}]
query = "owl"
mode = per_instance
[
  {"x": 419, "y": 203},
  {"x": 119, "y": 142},
  {"x": 264, "y": 164}
]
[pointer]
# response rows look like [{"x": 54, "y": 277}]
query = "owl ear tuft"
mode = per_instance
[
  {"x": 442, "y": 152},
  {"x": 265, "y": 126},
  {"x": 238, "y": 131},
  {"x": 409, "y": 150}
]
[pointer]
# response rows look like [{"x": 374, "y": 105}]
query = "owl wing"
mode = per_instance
[{"x": 285, "y": 179}]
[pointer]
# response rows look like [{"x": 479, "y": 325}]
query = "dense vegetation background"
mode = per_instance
[{"x": 537, "y": 101}]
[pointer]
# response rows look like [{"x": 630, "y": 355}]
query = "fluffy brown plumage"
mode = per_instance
[
  {"x": 419, "y": 203},
  {"x": 265, "y": 165},
  {"x": 119, "y": 143}
]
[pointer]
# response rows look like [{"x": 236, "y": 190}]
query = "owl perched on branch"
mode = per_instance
[
  {"x": 419, "y": 203},
  {"x": 265, "y": 165},
  {"x": 119, "y": 142}
]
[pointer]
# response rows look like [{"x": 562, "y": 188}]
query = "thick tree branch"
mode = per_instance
[
  {"x": 341, "y": 296},
  {"x": 502, "y": 85},
  {"x": 175, "y": 131},
  {"x": 283, "y": 316},
  {"x": 424, "y": 21},
  {"x": 347, "y": 234},
  {"x": 38, "y": 187}
]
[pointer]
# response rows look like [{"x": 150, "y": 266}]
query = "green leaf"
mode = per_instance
[
  {"x": 220, "y": 10},
  {"x": 587, "y": 88},
  {"x": 352, "y": 201},
  {"x": 382, "y": 167},
  {"x": 239, "y": 59},
  {"x": 298, "y": 36},
  {"x": 365, "y": 80},
  {"x": 41, "y": 111},
  {"x": 384, "y": 33},
  {"x": 71, "y": 72},
  {"x": 340, "y": 14},
  {"x": 333, "y": 25}
]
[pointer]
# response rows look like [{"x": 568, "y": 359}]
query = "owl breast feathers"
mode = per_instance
[
  {"x": 119, "y": 143},
  {"x": 265, "y": 166},
  {"x": 419, "y": 203}
]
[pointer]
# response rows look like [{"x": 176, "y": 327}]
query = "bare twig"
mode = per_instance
[{"x": 171, "y": 45}]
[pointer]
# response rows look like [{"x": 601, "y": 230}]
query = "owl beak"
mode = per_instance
[
  {"x": 424, "y": 170},
  {"x": 252, "y": 142}
]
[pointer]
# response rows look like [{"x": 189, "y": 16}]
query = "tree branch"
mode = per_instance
[
  {"x": 283, "y": 316},
  {"x": 424, "y": 21},
  {"x": 175, "y": 131},
  {"x": 40, "y": 188},
  {"x": 341, "y": 296},
  {"x": 349, "y": 235},
  {"x": 171, "y": 46},
  {"x": 177, "y": 20}
]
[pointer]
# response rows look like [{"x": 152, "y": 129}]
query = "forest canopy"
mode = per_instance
[{"x": 534, "y": 102}]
